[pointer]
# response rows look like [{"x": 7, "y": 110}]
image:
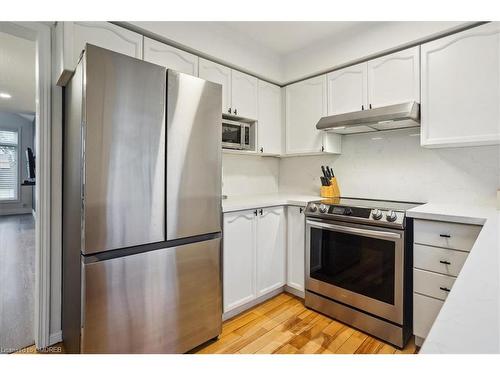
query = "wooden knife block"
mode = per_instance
[{"x": 331, "y": 191}]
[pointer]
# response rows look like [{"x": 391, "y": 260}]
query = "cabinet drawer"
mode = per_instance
[
  {"x": 425, "y": 311},
  {"x": 443, "y": 234},
  {"x": 436, "y": 259},
  {"x": 430, "y": 283}
]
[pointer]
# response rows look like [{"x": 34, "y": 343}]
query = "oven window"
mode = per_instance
[
  {"x": 231, "y": 134},
  {"x": 359, "y": 264}
]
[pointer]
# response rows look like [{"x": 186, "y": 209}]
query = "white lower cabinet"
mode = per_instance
[
  {"x": 239, "y": 258},
  {"x": 440, "y": 250},
  {"x": 271, "y": 255},
  {"x": 254, "y": 254},
  {"x": 295, "y": 248}
]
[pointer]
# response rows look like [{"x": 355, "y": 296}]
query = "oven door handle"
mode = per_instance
[{"x": 363, "y": 232}]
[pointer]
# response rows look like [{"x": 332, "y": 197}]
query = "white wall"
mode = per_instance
[
  {"x": 243, "y": 175},
  {"x": 358, "y": 43},
  {"x": 396, "y": 167},
  {"x": 221, "y": 42},
  {"x": 16, "y": 122}
]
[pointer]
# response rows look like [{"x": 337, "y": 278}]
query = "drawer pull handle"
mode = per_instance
[
  {"x": 445, "y": 235},
  {"x": 444, "y": 262},
  {"x": 444, "y": 289}
]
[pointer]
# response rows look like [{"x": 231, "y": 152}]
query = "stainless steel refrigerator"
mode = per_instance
[{"x": 141, "y": 207}]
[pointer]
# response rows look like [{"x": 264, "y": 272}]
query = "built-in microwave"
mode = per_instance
[{"x": 237, "y": 135}]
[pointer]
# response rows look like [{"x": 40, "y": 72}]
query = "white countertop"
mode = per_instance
[
  {"x": 247, "y": 202},
  {"x": 469, "y": 320}
]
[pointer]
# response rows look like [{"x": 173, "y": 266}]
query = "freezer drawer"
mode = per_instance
[
  {"x": 194, "y": 144},
  {"x": 163, "y": 301}
]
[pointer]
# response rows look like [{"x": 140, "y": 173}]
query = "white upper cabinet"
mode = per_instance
[
  {"x": 101, "y": 34},
  {"x": 347, "y": 89},
  {"x": 271, "y": 251},
  {"x": 306, "y": 103},
  {"x": 461, "y": 89},
  {"x": 394, "y": 78},
  {"x": 239, "y": 258},
  {"x": 219, "y": 74},
  {"x": 244, "y": 95},
  {"x": 170, "y": 57},
  {"x": 269, "y": 119}
]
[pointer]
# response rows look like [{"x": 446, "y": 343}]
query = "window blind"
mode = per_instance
[{"x": 9, "y": 155}]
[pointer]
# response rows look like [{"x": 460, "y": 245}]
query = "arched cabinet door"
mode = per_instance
[
  {"x": 461, "y": 88},
  {"x": 394, "y": 78},
  {"x": 170, "y": 57},
  {"x": 347, "y": 90},
  {"x": 271, "y": 249},
  {"x": 101, "y": 34},
  {"x": 244, "y": 94},
  {"x": 306, "y": 103},
  {"x": 219, "y": 74},
  {"x": 239, "y": 258}
]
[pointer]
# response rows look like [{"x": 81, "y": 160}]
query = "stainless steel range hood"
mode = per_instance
[{"x": 391, "y": 117}]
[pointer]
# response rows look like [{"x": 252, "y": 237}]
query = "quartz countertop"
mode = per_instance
[
  {"x": 469, "y": 320},
  {"x": 247, "y": 202}
]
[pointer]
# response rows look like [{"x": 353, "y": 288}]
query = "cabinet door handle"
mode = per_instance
[
  {"x": 229, "y": 110},
  {"x": 362, "y": 107},
  {"x": 262, "y": 149},
  {"x": 322, "y": 148},
  {"x": 444, "y": 262},
  {"x": 444, "y": 289},
  {"x": 370, "y": 106},
  {"x": 261, "y": 211},
  {"x": 235, "y": 111},
  {"x": 255, "y": 212},
  {"x": 301, "y": 209},
  {"x": 445, "y": 235}
]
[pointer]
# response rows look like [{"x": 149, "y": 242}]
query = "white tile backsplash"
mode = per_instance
[
  {"x": 245, "y": 175},
  {"x": 392, "y": 165}
]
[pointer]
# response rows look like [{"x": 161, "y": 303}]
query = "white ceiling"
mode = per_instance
[
  {"x": 285, "y": 37},
  {"x": 17, "y": 73}
]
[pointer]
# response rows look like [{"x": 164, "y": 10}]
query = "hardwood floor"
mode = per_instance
[
  {"x": 17, "y": 281},
  {"x": 283, "y": 325}
]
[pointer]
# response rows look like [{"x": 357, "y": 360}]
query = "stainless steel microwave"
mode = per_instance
[{"x": 237, "y": 135}]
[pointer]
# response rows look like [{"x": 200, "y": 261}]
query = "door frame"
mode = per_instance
[{"x": 40, "y": 33}]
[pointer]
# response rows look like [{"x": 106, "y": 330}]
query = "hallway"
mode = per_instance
[{"x": 17, "y": 281}]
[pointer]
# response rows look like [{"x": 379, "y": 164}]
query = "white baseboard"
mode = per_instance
[
  {"x": 248, "y": 305},
  {"x": 295, "y": 292},
  {"x": 55, "y": 338}
]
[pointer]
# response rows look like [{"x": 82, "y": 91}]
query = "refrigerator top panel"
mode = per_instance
[
  {"x": 194, "y": 153},
  {"x": 123, "y": 151}
]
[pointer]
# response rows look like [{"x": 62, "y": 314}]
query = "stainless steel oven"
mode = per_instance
[
  {"x": 237, "y": 135},
  {"x": 358, "y": 265}
]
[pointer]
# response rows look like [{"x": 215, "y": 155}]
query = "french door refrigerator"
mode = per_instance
[{"x": 141, "y": 207}]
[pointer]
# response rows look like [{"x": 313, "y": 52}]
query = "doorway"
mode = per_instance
[{"x": 17, "y": 191}]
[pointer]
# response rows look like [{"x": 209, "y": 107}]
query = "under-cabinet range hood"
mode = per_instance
[{"x": 391, "y": 117}]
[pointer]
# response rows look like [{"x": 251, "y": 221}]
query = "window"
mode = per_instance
[{"x": 9, "y": 170}]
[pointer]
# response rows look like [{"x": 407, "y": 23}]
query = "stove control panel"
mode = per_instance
[{"x": 356, "y": 214}]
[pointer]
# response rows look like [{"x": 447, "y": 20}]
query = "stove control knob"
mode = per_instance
[
  {"x": 313, "y": 207},
  {"x": 348, "y": 211},
  {"x": 323, "y": 208},
  {"x": 391, "y": 216},
  {"x": 377, "y": 214}
]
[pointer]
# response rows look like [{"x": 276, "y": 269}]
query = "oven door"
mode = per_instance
[{"x": 357, "y": 265}]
